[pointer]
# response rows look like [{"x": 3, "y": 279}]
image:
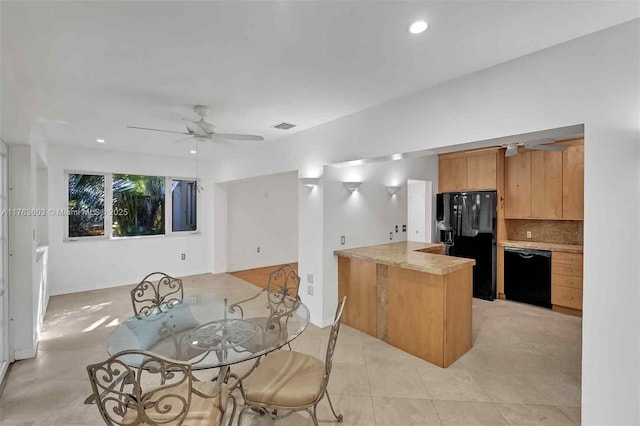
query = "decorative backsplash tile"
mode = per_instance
[{"x": 548, "y": 231}]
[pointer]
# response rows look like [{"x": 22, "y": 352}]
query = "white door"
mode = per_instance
[
  {"x": 4, "y": 250},
  {"x": 419, "y": 205}
]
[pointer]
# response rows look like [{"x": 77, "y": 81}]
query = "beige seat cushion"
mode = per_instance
[
  {"x": 286, "y": 379},
  {"x": 202, "y": 411}
]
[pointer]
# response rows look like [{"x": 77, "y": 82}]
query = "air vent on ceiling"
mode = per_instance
[{"x": 284, "y": 126}]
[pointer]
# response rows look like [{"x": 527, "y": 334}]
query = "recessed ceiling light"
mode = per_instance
[
  {"x": 100, "y": 140},
  {"x": 418, "y": 27},
  {"x": 193, "y": 151}
]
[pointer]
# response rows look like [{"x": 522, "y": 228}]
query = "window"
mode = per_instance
[
  {"x": 183, "y": 205},
  {"x": 138, "y": 205},
  {"x": 86, "y": 205}
]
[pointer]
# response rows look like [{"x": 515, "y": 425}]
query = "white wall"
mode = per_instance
[
  {"x": 591, "y": 80},
  {"x": 262, "y": 212},
  {"x": 91, "y": 264},
  {"x": 367, "y": 216}
]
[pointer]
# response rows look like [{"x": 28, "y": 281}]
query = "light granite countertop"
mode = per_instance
[
  {"x": 409, "y": 255},
  {"x": 567, "y": 248}
]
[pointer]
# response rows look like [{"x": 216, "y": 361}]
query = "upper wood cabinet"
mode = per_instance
[
  {"x": 452, "y": 174},
  {"x": 573, "y": 182},
  {"x": 468, "y": 171},
  {"x": 545, "y": 184},
  {"x": 517, "y": 183}
]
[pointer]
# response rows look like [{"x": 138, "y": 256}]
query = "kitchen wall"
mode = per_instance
[
  {"x": 87, "y": 265},
  {"x": 369, "y": 215},
  {"x": 592, "y": 80},
  {"x": 262, "y": 212}
]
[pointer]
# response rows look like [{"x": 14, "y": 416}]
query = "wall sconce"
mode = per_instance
[
  {"x": 309, "y": 182},
  {"x": 351, "y": 186},
  {"x": 393, "y": 190}
]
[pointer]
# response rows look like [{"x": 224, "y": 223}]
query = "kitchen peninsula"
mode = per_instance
[{"x": 411, "y": 296}]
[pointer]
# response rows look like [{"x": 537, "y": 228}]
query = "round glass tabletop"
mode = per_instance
[{"x": 209, "y": 331}]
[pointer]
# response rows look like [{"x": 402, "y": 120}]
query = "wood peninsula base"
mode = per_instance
[{"x": 420, "y": 303}]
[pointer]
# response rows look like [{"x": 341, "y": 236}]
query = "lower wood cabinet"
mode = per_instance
[{"x": 566, "y": 282}]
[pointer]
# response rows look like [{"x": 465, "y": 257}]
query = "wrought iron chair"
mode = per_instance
[
  {"x": 282, "y": 299},
  {"x": 158, "y": 392},
  {"x": 289, "y": 381},
  {"x": 156, "y": 290}
]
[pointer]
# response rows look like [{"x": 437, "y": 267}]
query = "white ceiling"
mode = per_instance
[{"x": 85, "y": 70}]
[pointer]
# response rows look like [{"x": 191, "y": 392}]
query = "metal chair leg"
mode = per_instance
[
  {"x": 339, "y": 417},
  {"x": 312, "y": 414},
  {"x": 233, "y": 411}
]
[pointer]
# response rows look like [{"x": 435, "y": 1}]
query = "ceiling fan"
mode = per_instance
[
  {"x": 539, "y": 145},
  {"x": 203, "y": 130}
]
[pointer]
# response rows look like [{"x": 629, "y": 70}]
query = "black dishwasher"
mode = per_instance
[{"x": 527, "y": 276}]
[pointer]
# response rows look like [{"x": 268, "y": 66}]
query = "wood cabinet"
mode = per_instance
[
  {"x": 546, "y": 184},
  {"x": 566, "y": 282},
  {"x": 452, "y": 174},
  {"x": 518, "y": 186},
  {"x": 361, "y": 293},
  {"x": 468, "y": 171},
  {"x": 573, "y": 182}
]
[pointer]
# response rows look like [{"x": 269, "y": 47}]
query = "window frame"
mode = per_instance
[
  {"x": 108, "y": 208},
  {"x": 168, "y": 201}
]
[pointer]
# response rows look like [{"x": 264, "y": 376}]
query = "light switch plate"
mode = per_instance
[
  {"x": 310, "y": 278},
  {"x": 310, "y": 290},
  {"x": 528, "y": 234}
]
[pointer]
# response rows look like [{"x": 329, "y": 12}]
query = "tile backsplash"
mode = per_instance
[{"x": 548, "y": 231}]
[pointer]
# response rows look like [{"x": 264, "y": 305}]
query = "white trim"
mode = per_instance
[
  {"x": 7, "y": 342},
  {"x": 80, "y": 289},
  {"x": 30, "y": 352},
  {"x": 4, "y": 366}
]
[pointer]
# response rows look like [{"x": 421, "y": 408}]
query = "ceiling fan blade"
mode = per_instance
[
  {"x": 547, "y": 147},
  {"x": 237, "y": 137},
  {"x": 157, "y": 130},
  {"x": 183, "y": 139}
]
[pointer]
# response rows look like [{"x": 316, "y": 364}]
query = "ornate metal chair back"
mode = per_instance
[
  {"x": 333, "y": 339},
  {"x": 282, "y": 290},
  {"x": 156, "y": 290},
  {"x": 119, "y": 390}
]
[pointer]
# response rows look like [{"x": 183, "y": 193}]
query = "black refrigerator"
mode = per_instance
[{"x": 466, "y": 223}]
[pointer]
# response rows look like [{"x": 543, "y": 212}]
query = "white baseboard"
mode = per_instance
[
  {"x": 79, "y": 289},
  {"x": 322, "y": 323},
  {"x": 27, "y": 353},
  {"x": 4, "y": 366}
]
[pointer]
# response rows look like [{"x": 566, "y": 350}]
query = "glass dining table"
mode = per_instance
[{"x": 208, "y": 331}]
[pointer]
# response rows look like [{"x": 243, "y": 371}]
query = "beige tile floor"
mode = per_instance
[{"x": 524, "y": 368}]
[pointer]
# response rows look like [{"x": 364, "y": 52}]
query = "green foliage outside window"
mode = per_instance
[
  {"x": 86, "y": 205},
  {"x": 138, "y": 205}
]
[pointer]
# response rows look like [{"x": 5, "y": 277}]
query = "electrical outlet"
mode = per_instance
[
  {"x": 310, "y": 278},
  {"x": 258, "y": 249},
  {"x": 404, "y": 228},
  {"x": 391, "y": 235},
  {"x": 342, "y": 240},
  {"x": 396, "y": 228},
  {"x": 529, "y": 234},
  {"x": 310, "y": 290},
  {"x": 183, "y": 256}
]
